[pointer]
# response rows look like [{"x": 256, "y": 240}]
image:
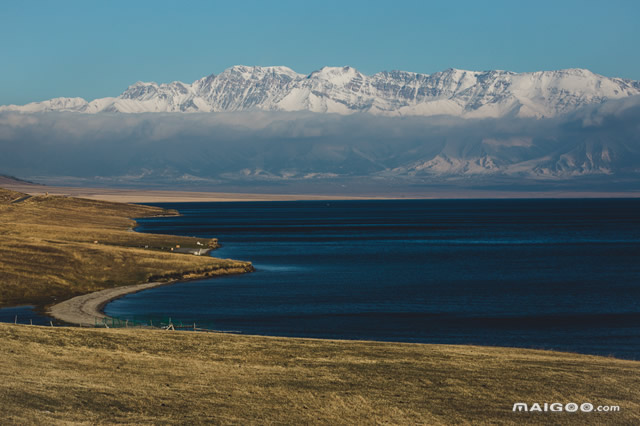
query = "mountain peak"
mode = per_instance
[
  {"x": 259, "y": 71},
  {"x": 334, "y": 71},
  {"x": 344, "y": 90}
]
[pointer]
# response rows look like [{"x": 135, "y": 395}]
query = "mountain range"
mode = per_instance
[
  {"x": 337, "y": 128},
  {"x": 345, "y": 90}
]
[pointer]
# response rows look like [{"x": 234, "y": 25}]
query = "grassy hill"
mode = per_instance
[
  {"x": 55, "y": 375},
  {"x": 53, "y": 248}
]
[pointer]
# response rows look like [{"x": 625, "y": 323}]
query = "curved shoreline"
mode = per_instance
[{"x": 87, "y": 308}]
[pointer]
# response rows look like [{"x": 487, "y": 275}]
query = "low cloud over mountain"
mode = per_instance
[{"x": 594, "y": 146}]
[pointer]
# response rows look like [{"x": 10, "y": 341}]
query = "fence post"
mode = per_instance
[{"x": 15, "y": 320}]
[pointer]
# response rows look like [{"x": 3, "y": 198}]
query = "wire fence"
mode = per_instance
[{"x": 165, "y": 323}]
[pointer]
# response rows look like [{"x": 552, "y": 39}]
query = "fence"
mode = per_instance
[
  {"x": 165, "y": 324},
  {"x": 114, "y": 322}
]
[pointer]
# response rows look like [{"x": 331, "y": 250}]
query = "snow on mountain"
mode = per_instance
[
  {"x": 56, "y": 104},
  {"x": 242, "y": 88},
  {"x": 344, "y": 90}
]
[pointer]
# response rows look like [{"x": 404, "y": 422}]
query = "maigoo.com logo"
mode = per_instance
[{"x": 571, "y": 407}]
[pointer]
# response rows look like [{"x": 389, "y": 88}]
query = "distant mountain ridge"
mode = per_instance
[{"x": 344, "y": 90}]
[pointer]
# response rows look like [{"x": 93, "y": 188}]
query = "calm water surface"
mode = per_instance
[{"x": 554, "y": 274}]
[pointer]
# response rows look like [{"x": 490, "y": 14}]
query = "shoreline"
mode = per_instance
[
  {"x": 142, "y": 196},
  {"x": 86, "y": 309}
]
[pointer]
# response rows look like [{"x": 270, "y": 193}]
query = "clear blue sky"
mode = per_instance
[{"x": 94, "y": 49}]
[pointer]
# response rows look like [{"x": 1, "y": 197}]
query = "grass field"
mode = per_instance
[
  {"x": 53, "y": 248},
  {"x": 138, "y": 376}
]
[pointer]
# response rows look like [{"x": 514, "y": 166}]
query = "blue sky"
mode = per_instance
[{"x": 96, "y": 49}]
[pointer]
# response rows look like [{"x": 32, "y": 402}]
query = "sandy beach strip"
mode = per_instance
[
  {"x": 166, "y": 196},
  {"x": 87, "y": 309},
  {"x": 174, "y": 196}
]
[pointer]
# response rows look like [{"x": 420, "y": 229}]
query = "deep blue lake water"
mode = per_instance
[{"x": 553, "y": 274}]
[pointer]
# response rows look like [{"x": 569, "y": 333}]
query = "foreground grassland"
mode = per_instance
[
  {"x": 54, "y": 375},
  {"x": 54, "y": 247}
]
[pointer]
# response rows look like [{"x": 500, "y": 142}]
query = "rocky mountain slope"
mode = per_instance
[{"x": 345, "y": 90}]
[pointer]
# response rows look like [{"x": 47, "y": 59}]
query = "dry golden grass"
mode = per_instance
[
  {"x": 56, "y": 375},
  {"x": 48, "y": 251}
]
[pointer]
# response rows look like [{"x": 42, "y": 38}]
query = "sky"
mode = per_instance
[{"x": 97, "y": 49}]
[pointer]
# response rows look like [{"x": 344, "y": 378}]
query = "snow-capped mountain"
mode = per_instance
[
  {"x": 571, "y": 128},
  {"x": 344, "y": 90}
]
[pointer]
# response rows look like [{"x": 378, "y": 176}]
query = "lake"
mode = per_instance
[{"x": 552, "y": 274}]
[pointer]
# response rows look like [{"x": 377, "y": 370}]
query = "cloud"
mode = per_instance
[
  {"x": 601, "y": 141},
  {"x": 514, "y": 141}
]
